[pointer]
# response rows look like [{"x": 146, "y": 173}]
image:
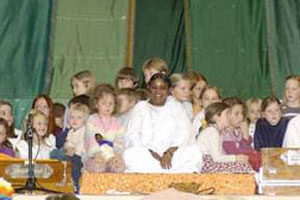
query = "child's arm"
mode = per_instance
[{"x": 230, "y": 147}]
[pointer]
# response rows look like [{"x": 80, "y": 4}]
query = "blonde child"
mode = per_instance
[
  {"x": 291, "y": 104},
  {"x": 270, "y": 129},
  {"x": 152, "y": 66},
  {"x": 253, "y": 114},
  {"x": 126, "y": 99},
  {"x": 71, "y": 142},
  {"x": 83, "y": 83},
  {"x": 126, "y": 78},
  {"x": 101, "y": 125},
  {"x": 45, "y": 104},
  {"x": 181, "y": 91},
  {"x": 199, "y": 82},
  {"x": 43, "y": 141},
  {"x": 210, "y": 143},
  {"x": 209, "y": 95},
  {"x": 5, "y": 146},
  {"x": 236, "y": 139}
]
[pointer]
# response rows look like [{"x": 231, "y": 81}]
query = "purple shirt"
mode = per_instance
[{"x": 8, "y": 151}]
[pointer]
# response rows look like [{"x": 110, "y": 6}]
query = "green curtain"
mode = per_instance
[
  {"x": 284, "y": 39},
  {"x": 159, "y": 31},
  {"x": 24, "y": 33},
  {"x": 229, "y": 46},
  {"x": 89, "y": 34}
]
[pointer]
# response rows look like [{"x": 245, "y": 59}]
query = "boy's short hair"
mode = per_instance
[
  {"x": 177, "y": 77},
  {"x": 295, "y": 77},
  {"x": 81, "y": 108},
  {"x": 84, "y": 99},
  {"x": 142, "y": 94},
  {"x": 127, "y": 73},
  {"x": 268, "y": 101},
  {"x": 156, "y": 63},
  {"x": 129, "y": 92}
]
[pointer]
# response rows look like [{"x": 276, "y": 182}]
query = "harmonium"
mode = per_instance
[
  {"x": 280, "y": 172},
  {"x": 50, "y": 174}
]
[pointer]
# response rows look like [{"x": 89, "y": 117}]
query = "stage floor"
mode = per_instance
[{"x": 140, "y": 197}]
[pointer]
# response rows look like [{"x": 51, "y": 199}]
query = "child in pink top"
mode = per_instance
[{"x": 103, "y": 157}]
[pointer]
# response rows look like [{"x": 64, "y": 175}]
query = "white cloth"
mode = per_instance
[
  {"x": 158, "y": 128},
  {"x": 209, "y": 142},
  {"x": 75, "y": 139},
  {"x": 292, "y": 134},
  {"x": 188, "y": 107},
  {"x": 41, "y": 151}
]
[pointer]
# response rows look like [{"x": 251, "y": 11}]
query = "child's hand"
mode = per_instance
[{"x": 70, "y": 151}]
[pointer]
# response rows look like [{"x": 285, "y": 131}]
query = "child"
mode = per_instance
[
  {"x": 43, "y": 141},
  {"x": 83, "y": 82},
  {"x": 126, "y": 78},
  {"x": 210, "y": 143},
  {"x": 292, "y": 135},
  {"x": 110, "y": 128},
  {"x": 59, "y": 112},
  {"x": 5, "y": 145},
  {"x": 291, "y": 105},
  {"x": 253, "y": 114},
  {"x": 126, "y": 99},
  {"x": 270, "y": 129},
  {"x": 44, "y": 104},
  {"x": 71, "y": 142},
  {"x": 152, "y": 66},
  {"x": 181, "y": 91},
  {"x": 236, "y": 139},
  {"x": 209, "y": 95},
  {"x": 199, "y": 83},
  {"x": 6, "y": 110},
  {"x": 141, "y": 94}
]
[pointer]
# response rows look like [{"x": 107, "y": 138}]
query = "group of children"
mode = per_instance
[{"x": 91, "y": 130}]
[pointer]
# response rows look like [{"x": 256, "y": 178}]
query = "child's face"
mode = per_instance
[
  {"x": 272, "y": 113},
  {"x": 79, "y": 88},
  {"x": 2, "y": 134},
  {"x": 6, "y": 114},
  {"x": 59, "y": 121},
  {"x": 198, "y": 89},
  {"x": 125, "y": 83},
  {"x": 106, "y": 105},
  {"x": 182, "y": 91},
  {"x": 41, "y": 105},
  {"x": 77, "y": 119},
  {"x": 292, "y": 91},
  {"x": 222, "y": 121},
  {"x": 254, "y": 112},
  {"x": 40, "y": 124},
  {"x": 210, "y": 96},
  {"x": 235, "y": 116},
  {"x": 125, "y": 103},
  {"x": 158, "y": 92},
  {"x": 148, "y": 73}
]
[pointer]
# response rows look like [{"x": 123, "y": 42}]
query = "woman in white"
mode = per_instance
[
  {"x": 292, "y": 134},
  {"x": 158, "y": 138}
]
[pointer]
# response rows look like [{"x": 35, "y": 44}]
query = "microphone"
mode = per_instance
[{"x": 29, "y": 125}]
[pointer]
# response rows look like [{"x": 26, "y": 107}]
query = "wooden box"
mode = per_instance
[
  {"x": 280, "y": 172},
  {"x": 50, "y": 174}
]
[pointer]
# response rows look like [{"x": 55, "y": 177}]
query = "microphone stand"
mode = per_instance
[{"x": 31, "y": 180}]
